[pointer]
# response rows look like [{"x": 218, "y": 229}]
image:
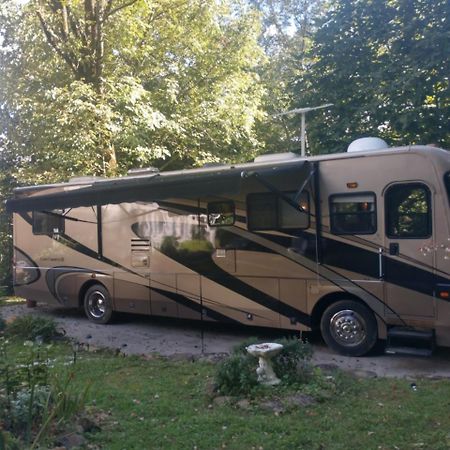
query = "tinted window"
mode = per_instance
[
  {"x": 48, "y": 222},
  {"x": 268, "y": 211},
  {"x": 353, "y": 213},
  {"x": 408, "y": 211},
  {"x": 447, "y": 184}
]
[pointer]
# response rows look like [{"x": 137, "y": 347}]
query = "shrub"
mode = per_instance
[
  {"x": 293, "y": 365},
  {"x": 2, "y": 325},
  {"x": 32, "y": 327},
  {"x": 237, "y": 375}
]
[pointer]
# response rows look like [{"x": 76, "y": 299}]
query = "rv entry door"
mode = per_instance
[{"x": 409, "y": 250}]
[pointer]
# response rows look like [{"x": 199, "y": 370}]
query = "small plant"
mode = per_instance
[
  {"x": 31, "y": 328},
  {"x": 293, "y": 365},
  {"x": 29, "y": 403},
  {"x": 36, "y": 395},
  {"x": 236, "y": 375}
]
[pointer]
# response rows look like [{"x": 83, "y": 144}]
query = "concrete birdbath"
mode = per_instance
[{"x": 265, "y": 352}]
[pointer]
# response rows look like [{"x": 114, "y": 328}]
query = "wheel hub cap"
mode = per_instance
[
  {"x": 96, "y": 304},
  {"x": 348, "y": 328}
]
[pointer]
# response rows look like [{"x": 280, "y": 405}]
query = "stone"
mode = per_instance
[
  {"x": 436, "y": 377},
  {"x": 243, "y": 404},
  {"x": 71, "y": 440},
  {"x": 300, "y": 400},
  {"x": 89, "y": 426},
  {"x": 211, "y": 388},
  {"x": 221, "y": 400},
  {"x": 189, "y": 357},
  {"x": 274, "y": 406},
  {"x": 213, "y": 357},
  {"x": 327, "y": 368},
  {"x": 363, "y": 374}
]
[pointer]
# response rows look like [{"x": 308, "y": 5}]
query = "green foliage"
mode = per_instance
[
  {"x": 31, "y": 328},
  {"x": 35, "y": 393},
  {"x": 29, "y": 403},
  {"x": 237, "y": 374},
  {"x": 175, "y": 85},
  {"x": 287, "y": 29},
  {"x": 385, "y": 67},
  {"x": 292, "y": 364}
]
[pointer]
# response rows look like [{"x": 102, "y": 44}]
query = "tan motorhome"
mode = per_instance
[{"x": 356, "y": 245}]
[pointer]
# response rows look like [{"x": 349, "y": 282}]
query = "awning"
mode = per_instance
[{"x": 196, "y": 183}]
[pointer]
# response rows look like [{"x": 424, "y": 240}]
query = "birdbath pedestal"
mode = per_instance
[{"x": 265, "y": 352}]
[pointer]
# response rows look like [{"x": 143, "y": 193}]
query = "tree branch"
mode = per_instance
[
  {"x": 54, "y": 40},
  {"x": 118, "y": 8},
  {"x": 75, "y": 27}
]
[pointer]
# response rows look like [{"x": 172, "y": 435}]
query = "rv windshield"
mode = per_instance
[{"x": 447, "y": 184}]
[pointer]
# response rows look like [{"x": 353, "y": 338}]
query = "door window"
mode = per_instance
[{"x": 408, "y": 211}]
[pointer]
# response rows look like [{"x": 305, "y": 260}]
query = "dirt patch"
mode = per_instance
[{"x": 190, "y": 340}]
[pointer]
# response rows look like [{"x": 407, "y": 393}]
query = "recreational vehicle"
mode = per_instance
[{"x": 356, "y": 245}]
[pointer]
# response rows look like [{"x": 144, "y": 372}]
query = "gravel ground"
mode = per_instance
[{"x": 132, "y": 334}]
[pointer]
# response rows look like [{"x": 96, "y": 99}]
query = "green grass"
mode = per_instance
[{"x": 163, "y": 404}]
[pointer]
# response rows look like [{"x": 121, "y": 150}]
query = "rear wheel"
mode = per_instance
[
  {"x": 97, "y": 304},
  {"x": 349, "y": 328}
]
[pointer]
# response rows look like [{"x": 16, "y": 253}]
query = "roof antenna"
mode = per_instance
[{"x": 303, "y": 112}]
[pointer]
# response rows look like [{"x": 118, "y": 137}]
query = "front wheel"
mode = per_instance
[
  {"x": 349, "y": 328},
  {"x": 97, "y": 304}
]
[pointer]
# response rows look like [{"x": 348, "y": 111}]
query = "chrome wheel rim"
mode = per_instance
[
  {"x": 348, "y": 328},
  {"x": 97, "y": 304}
]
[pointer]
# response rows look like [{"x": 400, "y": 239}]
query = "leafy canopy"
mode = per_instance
[
  {"x": 96, "y": 86},
  {"x": 385, "y": 66}
]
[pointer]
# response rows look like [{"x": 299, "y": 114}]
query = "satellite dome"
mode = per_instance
[{"x": 367, "y": 144}]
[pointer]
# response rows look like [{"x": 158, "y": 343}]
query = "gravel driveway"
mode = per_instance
[{"x": 133, "y": 334}]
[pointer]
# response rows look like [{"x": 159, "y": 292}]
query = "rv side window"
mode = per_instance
[
  {"x": 268, "y": 211},
  {"x": 353, "y": 213},
  {"x": 48, "y": 222},
  {"x": 447, "y": 184},
  {"x": 221, "y": 214},
  {"x": 408, "y": 211}
]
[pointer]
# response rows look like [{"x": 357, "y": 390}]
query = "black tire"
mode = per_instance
[
  {"x": 349, "y": 328},
  {"x": 97, "y": 304}
]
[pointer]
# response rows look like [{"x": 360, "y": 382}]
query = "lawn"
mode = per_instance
[
  {"x": 163, "y": 404},
  {"x": 156, "y": 403}
]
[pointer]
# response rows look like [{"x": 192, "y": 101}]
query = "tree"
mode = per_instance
[
  {"x": 94, "y": 87},
  {"x": 385, "y": 67},
  {"x": 98, "y": 86},
  {"x": 287, "y": 27}
]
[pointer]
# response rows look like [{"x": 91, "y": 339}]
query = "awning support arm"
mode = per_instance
[{"x": 307, "y": 179}]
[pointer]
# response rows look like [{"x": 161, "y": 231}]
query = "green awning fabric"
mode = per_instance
[{"x": 187, "y": 184}]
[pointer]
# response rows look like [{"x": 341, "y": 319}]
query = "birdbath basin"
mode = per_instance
[{"x": 265, "y": 352}]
